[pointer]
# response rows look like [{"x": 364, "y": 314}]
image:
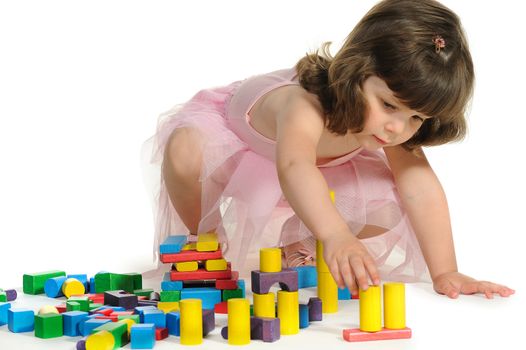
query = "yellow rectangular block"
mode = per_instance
[
  {"x": 215, "y": 265},
  {"x": 190, "y": 246},
  {"x": 207, "y": 242},
  {"x": 186, "y": 266},
  {"x": 168, "y": 306}
]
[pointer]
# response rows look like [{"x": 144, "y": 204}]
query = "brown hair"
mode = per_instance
[{"x": 395, "y": 41}]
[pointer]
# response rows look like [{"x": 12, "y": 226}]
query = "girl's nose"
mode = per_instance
[{"x": 395, "y": 126}]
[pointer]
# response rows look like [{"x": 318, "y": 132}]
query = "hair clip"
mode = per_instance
[{"x": 439, "y": 42}]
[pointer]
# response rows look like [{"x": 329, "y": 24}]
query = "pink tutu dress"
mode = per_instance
[{"x": 242, "y": 199}]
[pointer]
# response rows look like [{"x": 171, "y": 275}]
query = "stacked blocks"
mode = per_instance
[
  {"x": 199, "y": 271},
  {"x": 371, "y": 316},
  {"x": 34, "y": 283}
]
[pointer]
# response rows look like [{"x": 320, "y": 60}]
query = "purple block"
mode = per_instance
[
  {"x": 264, "y": 328},
  {"x": 120, "y": 298},
  {"x": 81, "y": 345},
  {"x": 224, "y": 332},
  {"x": 262, "y": 281},
  {"x": 147, "y": 303},
  {"x": 315, "y": 313},
  {"x": 209, "y": 321},
  {"x": 11, "y": 294}
]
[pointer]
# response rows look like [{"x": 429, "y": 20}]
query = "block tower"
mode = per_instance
[
  {"x": 198, "y": 271},
  {"x": 371, "y": 315}
]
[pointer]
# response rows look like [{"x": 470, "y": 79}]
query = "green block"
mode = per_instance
[
  {"x": 143, "y": 292},
  {"x": 121, "y": 282},
  {"x": 34, "y": 282},
  {"x": 102, "y": 282},
  {"x": 83, "y": 302},
  {"x": 3, "y": 297},
  {"x": 94, "y": 306},
  {"x": 119, "y": 330},
  {"x": 135, "y": 318},
  {"x": 251, "y": 310},
  {"x": 170, "y": 295},
  {"x": 72, "y": 306},
  {"x": 234, "y": 293},
  {"x": 136, "y": 278},
  {"x": 48, "y": 326}
]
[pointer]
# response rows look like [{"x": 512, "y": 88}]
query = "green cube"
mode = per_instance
[
  {"x": 102, "y": 282},
  {"x": 170, "y": 295},
  {"x": 34, "y": 282},
  {"x": 119, "y": 330},
  {"x": 3, "y": 297},
  {"x": 234, "y": 293},
  {"x": 72, "y": 306},
  {"x": 83, "y": 302},
  {"x": 48, "y": 326}
]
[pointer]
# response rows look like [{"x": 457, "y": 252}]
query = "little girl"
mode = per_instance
[{"x": 260, "y": 156}]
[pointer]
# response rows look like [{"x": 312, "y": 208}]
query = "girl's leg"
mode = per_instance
[{"x": 181, "y": 170}]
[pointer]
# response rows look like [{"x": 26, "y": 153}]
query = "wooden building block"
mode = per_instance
[
  {"x": 33, "y": 283},
  {"x": 208, "y": 296},
  {"x": 120, "y": 298},
  {"x": 288, "y": 312},
  {"x": 231, "y": 283},
  {"x": 11, "y": 294},
  {"x": 186, "y": 266},
  {"x": 20, "y": 320},
  {"x": 4, "y": 307},
  {"x": 221, "y": 308},
  {"x": 200, "y": 274},
  {"x": 155, "y": 316},
  {"x": 119, "y": 330},
  {"x": 215, "y": 265},
  {"x": 173, "y": 244},
  {"x": 48, "y": 326},
  {"x": 261, "y": 328},
  {"x": 53, "y": 286},
  {"x": 209, "y": 321},
  {"x": 142, "y": 336},
  {"x": 238, "y": 321},
  {"x": 270, "y": 260},
  {"x": 356, "y": 335},
  {"x": 71, "y": 321},
  {"x": 161, "y": 333},
  {"x": 232, "y": 293},
  {"x": 307, "y": 276},
  {"x": 262, "y": 281},
  {"x": 191, "y": 323},
  {"x": 304, "y": 316},
  {"x": 315, "y": 309},
  {"x": 168, "y": 306},
  {"x": 264, "y": 305},
  {"x": 102, "y": 340},
  {"x": 370, "y": 309},
  {"x": 72, "y": 286},
  {"x": 207, "y": 242},
  {"x": 170, "y": 295},
  {"x": 173, "y": 323},
  {"x": 327, "y": 292},
  {"x": 190, "y": 255}
]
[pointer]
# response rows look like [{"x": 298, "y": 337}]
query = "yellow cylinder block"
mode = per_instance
[
  {"x": 327, "y": 292},
  {"x": 370, "y": 309},
  {"x": 264, "y": 305},
  {"x": 288, "y": 312},
  {"x": 321, "y": 266},
  {"x": 73, "y": 286},
  {"x": 238, "y": 321},
  {"x": 102, "y": 340},
  {"x": 270, "y": 260},
  {"x": 191, "y": 321},
  {"x": 394, "y": 305}
]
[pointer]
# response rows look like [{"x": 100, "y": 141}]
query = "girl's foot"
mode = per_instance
[{"x": 302, "y": 253}]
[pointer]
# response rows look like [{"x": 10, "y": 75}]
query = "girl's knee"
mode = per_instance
[{"x": 182, "y": 155}]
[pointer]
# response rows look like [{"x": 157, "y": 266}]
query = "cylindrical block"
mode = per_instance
[
  {"x": 73, "y": 286},
  {"x": 327, "y": 292},
  {"x": 288, "y": 312},
  {"x": 102, "y": 340},
  {"x": 370, "y": 309},
  {"x": 191, "y": 323},
  {"x": 53, "y": 286},
  {"x": 238, "y": 321},
  {"x": 264, "y": 305},
  {"x": 270, "y": 260},
  {"x": 394, "y": 305},
  {"x": 321, "y": 266}
]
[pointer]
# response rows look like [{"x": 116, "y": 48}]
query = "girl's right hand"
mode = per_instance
[{"x": 349, "y": 262}]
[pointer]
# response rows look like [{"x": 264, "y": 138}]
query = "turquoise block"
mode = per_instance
[
  {"x": 173, "y": 323},
  {"x": 173, "y": 244},
  {"x": 307, "y": 276},
  {"x": 241, "y": 285},
  {"x": 90, "y": 325},
  {"x": 344, "y": 294},
  {"x": 142, "y": 336},
  {"x": 169, "y": 285},
  {"x": 209, "y": 296},
  {"x": 155, "y": 316},
  {"x": 4, "y": 307},
  {"x": 20, "y": 320},
  {"x": 304, "y": 316},
  {"x": 71, "y": 321}
]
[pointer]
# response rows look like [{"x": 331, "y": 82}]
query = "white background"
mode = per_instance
[{"x": 82, "y": 84}]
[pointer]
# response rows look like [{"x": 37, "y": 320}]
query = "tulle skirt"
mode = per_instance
[{"x": 242, "y": 200}]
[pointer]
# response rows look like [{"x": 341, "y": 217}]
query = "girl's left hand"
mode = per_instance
[{"x": 453, "y": 284}]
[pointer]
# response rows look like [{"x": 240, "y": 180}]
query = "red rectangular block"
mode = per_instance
[
  {"x": 229, "y": 283},
  {"x": 221, "y": 308},
  {"x": 200, "y": 274},
  {"x": 161, "y": 333},
  {"x": 112, "y": 318},
  {"x": 355, "y": 334},
  {"x": 61, "y": 308},
  {"x": 121, "y": 313},
  {"x": 191, "y": 255}
]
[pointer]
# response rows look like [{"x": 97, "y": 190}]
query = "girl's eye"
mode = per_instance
[{"x": 389, "y": 106}]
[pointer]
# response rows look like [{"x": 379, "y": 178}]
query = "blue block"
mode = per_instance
[
  {"x": 92, "y": 285},
  {"x": 173, "y": 244},
  {"x": 168, "y": 285},
  {"x": 307, "y": 276},
  {"x": 53, "y": 286},
  {"x": 71, "y": 321},
  {"x": 20, "y": 320},
  {"x": 140, "y": 311},
  {"x": 3, "y": 312},
  {"x": 142, "y": 336},
  {"x": 344, "y": 294},
  {"x": 304, "y": 316},
  {"x": 241, "y": 285},
  {"x": 209, "y": 296},
  {"x": 155, "y": 316},
  {"x": 85, "y": 328},
  {"x": 83, "y": 278},
  {"x": 173, "y": 323}
]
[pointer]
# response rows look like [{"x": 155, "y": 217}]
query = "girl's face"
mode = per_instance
[{"x": 388, "y": 122}]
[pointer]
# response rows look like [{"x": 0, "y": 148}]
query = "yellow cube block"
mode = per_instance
[
  {"x": 215, "y": 265},
  {"x": 186, "y": 266},
  {"x": 207, "y": 242}
]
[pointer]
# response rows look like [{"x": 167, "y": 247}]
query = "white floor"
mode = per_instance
[{"x": 470, "y": 322}]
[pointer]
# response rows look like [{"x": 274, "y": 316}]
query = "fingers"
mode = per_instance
[
  {"x": 447, "y": 288},
  {"x": 347, "y": 274}
]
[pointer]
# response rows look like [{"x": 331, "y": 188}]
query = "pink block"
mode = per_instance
[{"x": 355, "y": 334}]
